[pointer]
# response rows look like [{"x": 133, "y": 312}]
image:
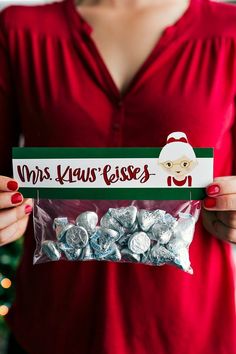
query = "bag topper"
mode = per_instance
[{"x": 117, "y": 204}]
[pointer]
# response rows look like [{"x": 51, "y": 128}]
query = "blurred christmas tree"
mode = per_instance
[{"x": 9, "y": 259}]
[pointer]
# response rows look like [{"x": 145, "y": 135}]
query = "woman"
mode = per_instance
[{"x": 122, "y": 73}]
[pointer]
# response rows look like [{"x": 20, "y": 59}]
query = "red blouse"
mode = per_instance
[{"x": 56, "y": 90}]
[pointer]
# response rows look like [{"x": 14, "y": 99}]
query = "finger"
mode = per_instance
[
  {"x": 208, "y": 219},
  {"x": 221, "y": 186},
  {"x": 10, "y": 216},
  {"x": 8, "y": 200},
  {"x": 217, "y": 228},
  {"x": 8, "y": 184},
  {"x": 227, "y": 217},
  {"x": 224, "y": 178},
  {"x": 14, "y": 231},
  {"x": 224, "y": 232},
  {"x": 220, "y": 203}
]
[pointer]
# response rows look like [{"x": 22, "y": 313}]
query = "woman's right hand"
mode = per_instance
[{"x": 14, "y": 211}]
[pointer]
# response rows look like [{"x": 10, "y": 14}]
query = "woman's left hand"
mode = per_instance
[{"x": 219, "y": 208}]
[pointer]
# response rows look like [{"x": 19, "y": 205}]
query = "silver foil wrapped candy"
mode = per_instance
[
  {"x": 51, "y": 250},
  {"x": 70, "y": 253},
  {"x": 109, "y": 222},
  {"x": 147, "y": 218},
  {"x": 170, "y": 220},
  {"x": 87, "y": 253},
  {"x": 101, "y": 243},
  {"x": 126, "y": 216},
  {"x": 184, "y": 229},
  {"x": 63, "y": 231},
  {"x": 77, "y": 237},
  {"x": 161, "y": 232},
  {"x": 159, "y": 255},
  {"x": 109, "y": 233},
  {"x": 59, "y": 224},
  {"x": 88, "y": 220},
  {"x": 114, "y": 254},
  {"x": 181, "y": 255},
  {"x": 134, "y": 227},
  {"x": 123, "y": 240},
  {"x": 145, "y": 236},
  {"x": 128, "y": 255},
  {"x": 139, "y": 242}
]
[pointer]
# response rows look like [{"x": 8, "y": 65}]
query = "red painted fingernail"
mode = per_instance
[
  {"x": 210, "y": 202},
  {"x": 16, "y": 198},
  {"x": 12, "y": 185},
  {"x": 28, "y": 209},
  {"x": 213, "y": 189}
]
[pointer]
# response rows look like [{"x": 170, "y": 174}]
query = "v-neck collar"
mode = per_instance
[{"x": 78, "y": 23}]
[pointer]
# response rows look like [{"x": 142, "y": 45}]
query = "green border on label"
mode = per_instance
[
  {"x": 106, "y": 193},
  {"x": 119, "y": 152},
  {"x": 116, "y": 193}
]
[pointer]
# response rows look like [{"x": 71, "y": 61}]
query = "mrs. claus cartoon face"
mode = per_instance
[
  {"x": 179, "y": 167},
  {"x": 177, "y": 157}
]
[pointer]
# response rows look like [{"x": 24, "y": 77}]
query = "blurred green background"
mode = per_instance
[{"x": 9, "y": 259}]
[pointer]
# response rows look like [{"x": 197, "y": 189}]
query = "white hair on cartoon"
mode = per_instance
[
  {"x": 176, "y": 149},
  {"x": 177, "y": 135}
]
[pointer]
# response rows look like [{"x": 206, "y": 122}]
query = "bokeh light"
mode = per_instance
[
  {"x": 6, "y": 283},
  {"x": 3, "y": 310}
]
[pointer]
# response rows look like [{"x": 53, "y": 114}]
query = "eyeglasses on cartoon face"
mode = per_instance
[{"x": 170, "y": 164}]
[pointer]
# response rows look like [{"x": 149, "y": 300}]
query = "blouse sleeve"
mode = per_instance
[{"x": 9, "y": 122}]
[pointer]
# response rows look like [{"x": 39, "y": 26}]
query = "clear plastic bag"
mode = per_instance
[{"x": 154, "y": 232}]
